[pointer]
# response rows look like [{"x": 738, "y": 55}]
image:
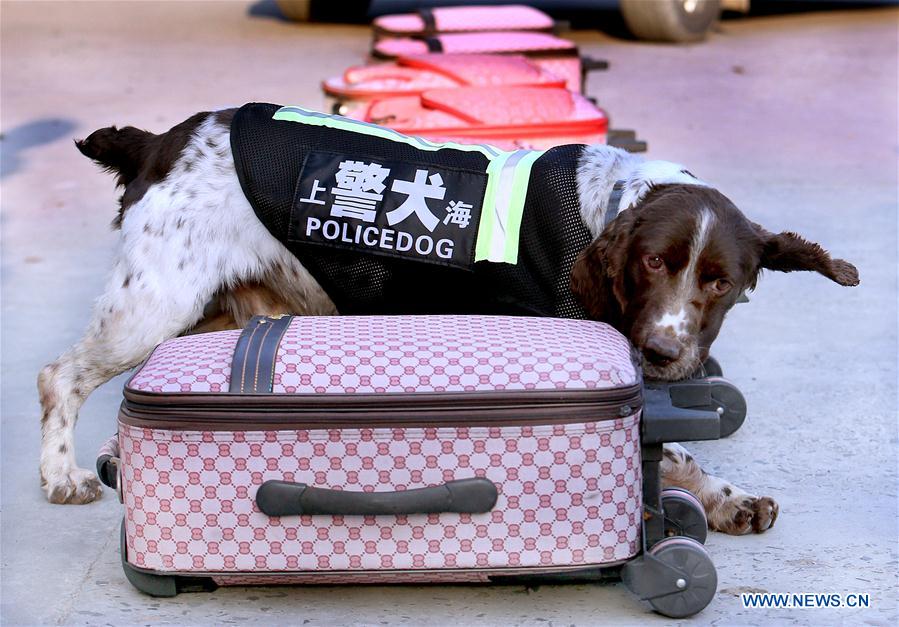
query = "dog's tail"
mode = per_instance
[{"x": 121, "y": 151}]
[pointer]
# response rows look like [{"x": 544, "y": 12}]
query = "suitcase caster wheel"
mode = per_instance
[
  {"x": 709, "y": 368},
  {"x": 697, "y": 586},
  {"x": 684, "y": 515},
  {"x": 159, "y": 585},
  {"x": 154, "y": 585},
  {"x": 730, "y": 404}
]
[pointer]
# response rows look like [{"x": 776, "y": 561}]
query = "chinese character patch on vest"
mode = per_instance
[
  {"x": 494, "y": 231},
  {"x": 428, "y": 210},
  {"x": 394, "y": 208}
]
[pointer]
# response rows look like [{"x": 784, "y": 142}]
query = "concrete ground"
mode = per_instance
[{"x": 794, "y": 117}]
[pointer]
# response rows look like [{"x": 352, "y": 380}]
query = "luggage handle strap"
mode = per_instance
[
  {"x": 428, "y": 21},
  {"x": 253, "y": 364},
  {"x": 434, "y": 44},
  {"x": 476, "y": 495}
]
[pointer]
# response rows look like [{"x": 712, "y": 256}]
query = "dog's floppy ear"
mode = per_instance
[
  {"x": 788, "y": 252},
  {"x": 597, "y": 276}
]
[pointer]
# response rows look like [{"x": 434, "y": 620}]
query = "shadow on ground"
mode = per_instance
[{"x": 17, "y": 141}]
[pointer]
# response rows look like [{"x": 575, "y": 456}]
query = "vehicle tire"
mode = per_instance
[
  {"x": 699, "y": 589},
  {"x": 674, "y": 21},
  {"x": 295, "y": 10}
]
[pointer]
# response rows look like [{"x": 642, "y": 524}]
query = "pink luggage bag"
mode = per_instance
[
  {"x": 404, "y": 449},
  {"x": 413, "y": 75},
  {"x": 427, "y": 21},
  {"x": 552, "y": 53},
  {"x": 507, "y": 117}
]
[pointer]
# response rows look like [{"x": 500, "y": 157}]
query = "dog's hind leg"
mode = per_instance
[
  {"x": 185, "y": 239},
  {"x": 138, "y": 310},
  {"x": 728, "y": 508}
]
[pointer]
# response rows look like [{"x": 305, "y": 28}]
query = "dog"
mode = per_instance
[{"x": 663, "y": 265}]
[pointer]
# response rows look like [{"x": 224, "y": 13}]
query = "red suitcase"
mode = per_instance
[
  {"x": 403, "y": 449},
  {"x": 507, "y": 117},
  {"x": 552, "y": 53},
  {"x": 413, "y": 75}
]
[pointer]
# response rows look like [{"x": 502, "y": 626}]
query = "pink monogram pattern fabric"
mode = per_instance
[
  {"x": 357, "y": 578},
  {"x": 109, "y": 447},
  {"x": 407, "y": 354},
  {"x": 568, "y": 495},
  {"x": 193, "y": 363}
]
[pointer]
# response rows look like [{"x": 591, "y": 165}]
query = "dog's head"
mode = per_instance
[{"x": 666, "y": 271}]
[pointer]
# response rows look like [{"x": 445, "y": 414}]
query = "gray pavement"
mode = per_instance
[{"x": 794, "y": 117}]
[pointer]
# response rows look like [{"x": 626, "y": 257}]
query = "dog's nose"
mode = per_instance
[{"x": 661, "y": 349}]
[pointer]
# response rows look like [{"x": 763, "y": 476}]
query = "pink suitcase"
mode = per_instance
[
  {"x": 557, "y": 55},
  {"x": 427, "y": 21},
  {"x": 413, "y": 75},
  {"x": 507, "y": 117},
  {"x": 404, "y": 449}
]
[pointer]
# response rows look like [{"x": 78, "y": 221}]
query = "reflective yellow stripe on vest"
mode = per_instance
[{"x": 507, "y": 172}]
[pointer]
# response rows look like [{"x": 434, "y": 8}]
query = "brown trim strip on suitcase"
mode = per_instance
[
  {"x": 375, "y": 401},
  {"x": 256, "y": 353},
  {"x": 428, "y": 410}
]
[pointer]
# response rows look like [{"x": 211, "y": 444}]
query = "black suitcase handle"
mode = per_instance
[
  {"x": 108, "y": 471},
  {"x": 591, "y": 64},
  {"x": 467, "y": 496}
]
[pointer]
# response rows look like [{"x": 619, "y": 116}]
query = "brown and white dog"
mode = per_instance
[{"x": 193, "y": 257}]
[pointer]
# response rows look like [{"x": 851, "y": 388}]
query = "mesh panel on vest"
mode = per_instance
[{"x": 268, "y": 157}]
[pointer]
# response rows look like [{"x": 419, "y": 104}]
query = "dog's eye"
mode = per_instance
[
  {"x": 720, "y": 286},
  {"x": 653, "y": 262}
]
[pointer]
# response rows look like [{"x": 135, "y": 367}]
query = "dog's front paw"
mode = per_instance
[
  {"x": 77, "y": 486},
  {"x": 740, "y": 515},
  {"x": 844, "y": 272}
]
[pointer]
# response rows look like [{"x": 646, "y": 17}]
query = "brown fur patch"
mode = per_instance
[
  {"x": 46, "y": 394},
  {"x": 139, "y": 158}
]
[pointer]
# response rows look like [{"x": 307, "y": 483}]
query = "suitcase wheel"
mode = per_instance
[
  {"x": 730, "y": 404},
  {"x": 160, "y": 585},
  {"x": 709, "y": 368},
  {"x": 697, "y": 584},
  {"x": 684, "y": 515}
]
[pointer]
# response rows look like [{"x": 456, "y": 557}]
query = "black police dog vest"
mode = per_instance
[{"x": 388, "y": 223}]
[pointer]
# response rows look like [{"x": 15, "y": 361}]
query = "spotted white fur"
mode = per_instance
[
  {"x": 190, "y": 236},
  {"x": 601, "y": 166},
  {"x": 194, "y": 236},
  {"x": 677, "y": 322},
  {"x": 728, "y": 508}
]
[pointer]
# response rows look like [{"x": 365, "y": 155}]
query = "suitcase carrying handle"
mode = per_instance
[
  {"x": 467, "y": 496},
  {"x": 108, "y": 462}
]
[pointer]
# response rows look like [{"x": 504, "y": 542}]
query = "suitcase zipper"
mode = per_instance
[{"x": 214, "y": 411}]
